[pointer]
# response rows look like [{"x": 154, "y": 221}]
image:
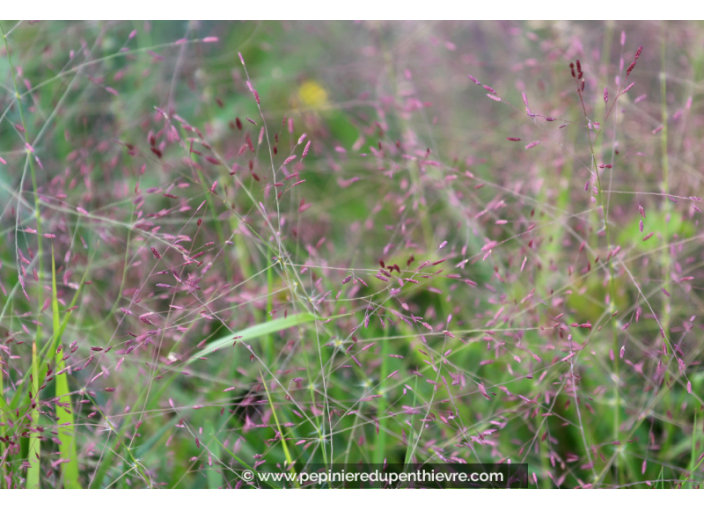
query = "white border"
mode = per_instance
[
  {"x": 352, "y": 499},
  {"x": 354, "y": 9}
]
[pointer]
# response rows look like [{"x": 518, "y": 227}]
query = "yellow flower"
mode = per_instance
[{"x": 313, "y": 94}]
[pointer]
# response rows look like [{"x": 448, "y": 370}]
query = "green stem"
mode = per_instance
[
  {"x": 269, "y": 340},
  {"x": 35, "y": 447},
  {"x": 665, "y": 312},
  {"x": 612, "y": 295},
  {"x": 380, "y": 447}
]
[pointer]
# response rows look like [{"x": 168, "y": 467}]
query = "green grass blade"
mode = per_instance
[
  {"x": 255, "y": 332},
  {"x": 34, "y": 453},
  {"x": 215, "y": 478},
  {"x": 289, "y": 459},
  {"x": 64, "y": 412},
  {"x": 380, "y": 445}
]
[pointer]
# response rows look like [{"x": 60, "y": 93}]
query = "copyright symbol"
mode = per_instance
[{"x": 247, "y": 475}]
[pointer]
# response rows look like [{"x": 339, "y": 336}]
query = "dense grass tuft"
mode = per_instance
[{"x": 231, "y": 246}]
